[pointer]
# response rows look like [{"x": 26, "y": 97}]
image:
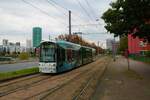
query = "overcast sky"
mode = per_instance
[{"x": 17, "y": 18}]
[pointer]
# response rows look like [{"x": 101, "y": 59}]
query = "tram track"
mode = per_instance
[
  {"x": 57, "y": 87},
  {"x": 48, "y": 95},
  {"x": 88, "y": 82},
  {"x": 32, "y": 85},
  {"x": 83, "y": 75},
  {"x": 18, "y": 80},
  {"x": 82, "y": 81},
  {"x": 16, "y": 85},
  {"x": 61, "y": 80}
]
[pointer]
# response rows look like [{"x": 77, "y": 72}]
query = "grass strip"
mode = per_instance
[{"x": 18, "y": 73}]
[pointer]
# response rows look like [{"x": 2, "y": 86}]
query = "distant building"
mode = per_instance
[
  {"x": 22, "y": 49},
  {"x": 5, "y": 42},
  {"x": 18, "y": 47},
  {"x": 28, "y": 44},
  {"x": 17, "y": 43},
  {"x": 11, "y": 44},
  {"x": 1, "y": 48},
  {"x": 109, "y": 44},
  {"x": 10, "y": 47},
  {"x": 37, "y": 36}
]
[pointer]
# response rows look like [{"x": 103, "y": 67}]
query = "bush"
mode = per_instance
[
  {"x": 24, "y": 56},
  {"x": 148, "y": 54}
]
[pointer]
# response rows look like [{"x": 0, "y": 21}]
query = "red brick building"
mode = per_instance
[{"x": 137, "y": 46}]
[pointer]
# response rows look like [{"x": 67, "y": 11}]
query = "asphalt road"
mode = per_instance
[{"x": 17, "y": 66}]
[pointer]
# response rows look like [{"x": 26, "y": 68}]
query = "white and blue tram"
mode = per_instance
[{"x": 62, "y": 56}]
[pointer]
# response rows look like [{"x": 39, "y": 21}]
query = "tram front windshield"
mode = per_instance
[{"x": 47, "y": 52}]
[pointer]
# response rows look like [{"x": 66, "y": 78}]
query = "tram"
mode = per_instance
[{"x": 60, "y": 56}]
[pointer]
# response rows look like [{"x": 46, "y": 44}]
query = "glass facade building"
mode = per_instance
[{"x": 37, "y": 36}]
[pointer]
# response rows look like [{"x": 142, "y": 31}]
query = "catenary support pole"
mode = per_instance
[{"x": 69, "y": 22}]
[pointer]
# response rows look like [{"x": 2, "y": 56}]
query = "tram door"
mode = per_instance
[
  {"x": 69, "y": 55},
  {"x": 60, "y": 56}
]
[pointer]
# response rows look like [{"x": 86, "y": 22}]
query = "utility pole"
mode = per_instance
[
  {"x": 69, "y": 22},
  {"x": 98, "y": 47},
  {"x": 114, "y": 49}
]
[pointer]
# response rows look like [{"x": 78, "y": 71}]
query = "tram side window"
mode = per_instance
[
  {"x": 75, "y": 55},
  {"x": 69, "y": 55},
  {"x": 61, "y": 55}
]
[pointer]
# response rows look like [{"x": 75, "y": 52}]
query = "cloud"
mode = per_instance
[{"x": 18, "y": 18}]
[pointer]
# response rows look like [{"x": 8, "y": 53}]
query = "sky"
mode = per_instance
[{"x": 18, "y": 17}]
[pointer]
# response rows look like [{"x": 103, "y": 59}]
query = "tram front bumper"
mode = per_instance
[{"x": 47, "y": 67}]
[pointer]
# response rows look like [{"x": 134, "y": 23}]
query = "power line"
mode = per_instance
[
  {"x": 62, "y": 7},
  {"x": 59, "y": 5},
  {"x": 53, "y": 3},
  {"x": 86, "y": 25},
  {"x": 65, "y": 8},
  {"x": 42, "y": 11},
  {"x": 92, "y": 11},
  {"x": 84, "y": 10}
]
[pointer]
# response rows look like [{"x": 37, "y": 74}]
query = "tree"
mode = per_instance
[
  {"x": 123, "y": 43},
  {"x": 78, "y": 40},
  {"x": 129, "y": 17},
  {"x": 23, "y": 56}
]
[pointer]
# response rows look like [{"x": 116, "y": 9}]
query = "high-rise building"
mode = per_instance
[
  {"x": 37, "y": 36},
  {"x": 28, "y": 44}
]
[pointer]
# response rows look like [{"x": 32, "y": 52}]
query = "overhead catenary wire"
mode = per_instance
[
  {"x": 76, "y": 14},
  {"x": 80, "y": 25},
  {"x": 59, "y": 5},
  {"x": 91, "y": 8},
  {"x": 56, "y": 6},
  {"x": 39, "y": 9},
  {"x": 86, "y": 12},
  {"x": 87, "y": 25}
]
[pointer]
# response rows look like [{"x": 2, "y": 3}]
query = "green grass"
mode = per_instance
[{"x": 13, "y": 74}]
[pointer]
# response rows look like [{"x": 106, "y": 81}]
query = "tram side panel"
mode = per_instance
[{"x": 67, "y": 59}]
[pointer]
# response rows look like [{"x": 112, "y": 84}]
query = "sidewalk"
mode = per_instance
[{"x": 120, "y": 84}]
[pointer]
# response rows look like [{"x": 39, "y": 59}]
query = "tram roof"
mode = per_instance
[
  {"x": 87, "y": 47},
  {"x": 68, "y": 45},
  {"x": 48, "y": 42}
]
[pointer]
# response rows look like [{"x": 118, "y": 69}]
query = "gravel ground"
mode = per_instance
[
  {"x": 66, "y": 84},
  {"x": 118, "y": 83}
]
